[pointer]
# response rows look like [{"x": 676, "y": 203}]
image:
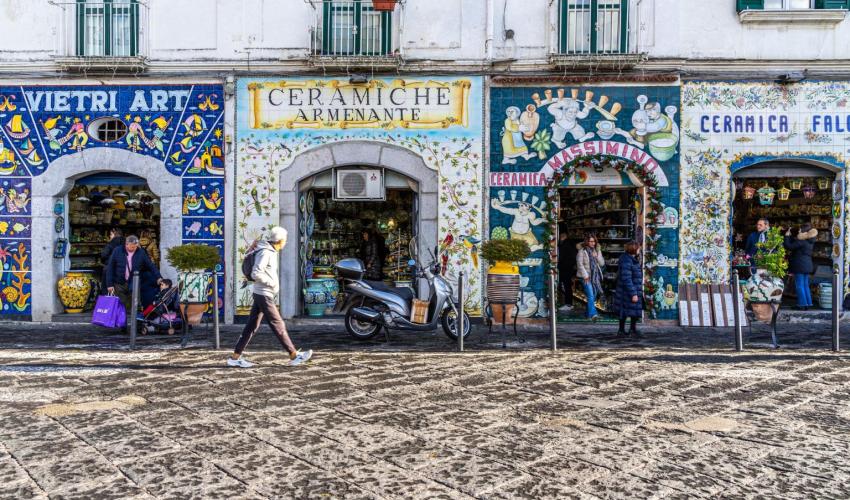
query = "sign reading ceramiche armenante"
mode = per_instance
[{"x": 335, "y": 104}]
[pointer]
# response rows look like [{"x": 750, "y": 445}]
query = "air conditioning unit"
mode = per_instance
[{"x": 356, "y": 184}]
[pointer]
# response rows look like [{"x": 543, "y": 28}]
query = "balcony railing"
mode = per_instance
[
  {"x": 351, "y": 33},
  {"x": 99, "y": 36},
  {"x": 595, "y": 32}
]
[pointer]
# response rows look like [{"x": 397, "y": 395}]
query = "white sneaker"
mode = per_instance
[
  {"x": 301, "y": 357},
  {"x": 239, "y": 363}
]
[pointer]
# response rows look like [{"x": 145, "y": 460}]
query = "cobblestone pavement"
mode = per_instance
[{"x": 673, "y": 415}]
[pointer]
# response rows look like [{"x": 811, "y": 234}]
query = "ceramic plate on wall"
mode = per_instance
[
  {"x": 311, "y": 224},
  {"x": 302, "y": 226},
  {"x": 836, "y": 251},
  {"x": 302, "y": 204},
  {"x": 836, "y": 191},
  {"x": 836, "y": 210},
  {"x": 60, "y": 224},
  {"x": 311, "y": 199},
  {"x": 836, "y": 230}
]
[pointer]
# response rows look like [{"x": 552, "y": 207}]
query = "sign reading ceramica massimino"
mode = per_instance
[{"x": 336, "y": 104}]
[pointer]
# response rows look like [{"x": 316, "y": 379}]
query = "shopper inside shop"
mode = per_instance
[
  {"x": 800, "y": 243},
  {"x": 589, "y": 265},
  {"x": 372, "y": 253},
  {"x": 116, "y": 240},
  {"x": 567, "y": 253},
  {"x": 756, "y": 237}
]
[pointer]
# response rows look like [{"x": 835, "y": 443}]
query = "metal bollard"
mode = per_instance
[
  {"x": 216, "y": 330},
  {"x": 836, "y": 309},
  {"x": 553, "y": 311},
  {"x": 134, "y": 306},
  {"x": 736, "y": 308},
  {"x": 460, "y": 319}
]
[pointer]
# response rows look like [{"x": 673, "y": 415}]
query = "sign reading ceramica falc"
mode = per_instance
[{"x": 379, "y": 104}]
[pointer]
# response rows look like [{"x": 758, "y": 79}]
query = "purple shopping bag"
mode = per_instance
[{"x": 109, "y": 312}]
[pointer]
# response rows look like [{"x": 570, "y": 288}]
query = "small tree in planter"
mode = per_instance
[
  {"x": 503, "y": 276},
  {"x": 766, "y": 285},
  {"x": 191, "y": 262}
]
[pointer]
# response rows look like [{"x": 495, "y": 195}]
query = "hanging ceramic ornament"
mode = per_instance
[
  {"x": 766, "y": 195},
  {"x": 809, "y": 192},
  {"x": 823, "y": 183},
  {"x": 784, "y": 193},
  {"x": 796, "y": 184},
  {"x": 749, "y": 192}
]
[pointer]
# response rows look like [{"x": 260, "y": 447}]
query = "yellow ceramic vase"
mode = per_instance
[
  {"x": 503, "y": 267},
  {"x": 74, "y": 290}
]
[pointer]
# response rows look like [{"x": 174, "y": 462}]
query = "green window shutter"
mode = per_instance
[
  {"x": 134, "y": 28},
  {"x": 107, "y": 27},
  {"x": 327, "y": 12},
  {"x": 386, "y": 33},
  {"x": 562, "y": 16},
  {"x": 750, "y": 5},
  {"x": 832, "y": 4},
  {"x": 81, "y": 27},
  {"x": 624, "y": 26}
]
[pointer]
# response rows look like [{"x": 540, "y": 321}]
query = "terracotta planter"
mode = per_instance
[
  {"x": 762, "y": 312},
  {"x": 384, "y": 5},
  {"x": 193, "y": 313},
  {"x": 502, "y": 294}
]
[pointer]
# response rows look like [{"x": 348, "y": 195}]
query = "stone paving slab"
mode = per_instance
[{"x": 673, "y": 415}]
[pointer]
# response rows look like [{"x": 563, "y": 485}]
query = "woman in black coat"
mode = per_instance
[
  {"x": 801, "y": 244},
  {"x": 628, "y": 296}
]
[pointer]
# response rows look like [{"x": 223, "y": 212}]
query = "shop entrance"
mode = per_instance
[
  {"x": 613, "y": 216},
  {"x": 788, "y": 195},
  {"x": 97, "y": 204},
  {"x": 340, "y": 220}
]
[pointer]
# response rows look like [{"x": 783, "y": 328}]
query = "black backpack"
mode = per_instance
[{"x": 248, "y": 265}]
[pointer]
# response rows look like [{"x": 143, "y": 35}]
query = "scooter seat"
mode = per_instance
[{"x": 404, "y": 292}]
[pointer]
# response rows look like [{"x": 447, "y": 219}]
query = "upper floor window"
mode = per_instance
[
  {"x": 107, "y": 28},
  {"x": 791, "y": 4},
  {"x": 355, "y": 28},
  {"x": 593, "y": 26}
]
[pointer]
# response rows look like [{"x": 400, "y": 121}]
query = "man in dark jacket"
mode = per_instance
[
  {"x": 801, "y": 244},
  {"x": 759, "y": 236},
  {"x": 116, "y": 240},
  {"x": 566, "y": 267},
  {"x": 119, "y": 271}
]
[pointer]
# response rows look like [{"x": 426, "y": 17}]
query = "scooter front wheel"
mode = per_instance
[
  {"x": 449, "y": 321},
  {"x": 360, "y": 330}
]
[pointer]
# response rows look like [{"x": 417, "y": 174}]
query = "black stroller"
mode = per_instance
[{"x": 162, "y": 315}]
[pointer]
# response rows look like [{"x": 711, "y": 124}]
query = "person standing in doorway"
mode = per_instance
[
  {"x": 370, "y": 254},
  {"x": 567, "y": 254},
  {"x": 119, "y": 271},
  {"x": 589, "y": 264},
  {"x": 266, "y": 277},
  {"x": 628, "y": 296},
  {"x": 759, "y": 236},
  {"x": 801, "y": 243},
  {"x": 116, "y": 240}
]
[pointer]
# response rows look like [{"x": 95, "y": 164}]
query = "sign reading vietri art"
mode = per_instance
[
  {"x": 561, "y": 158},
  {"x": 379, "y": 104}
]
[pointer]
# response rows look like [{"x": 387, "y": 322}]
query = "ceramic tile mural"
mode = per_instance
[
  {"x": 531, "y": 125},
  {"x": 440, "y": 121},
  {"x": 180, "y": 125},
  {"x": 728, "y": 126}
]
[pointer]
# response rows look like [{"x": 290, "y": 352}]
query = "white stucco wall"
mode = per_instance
[{"x": 213, "y": 33}]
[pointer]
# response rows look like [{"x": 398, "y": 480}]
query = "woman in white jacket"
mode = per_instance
[{"x": 589, "y": 265}]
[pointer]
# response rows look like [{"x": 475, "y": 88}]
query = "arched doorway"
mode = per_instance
[
  {"x": 788, "y": 194},
  {"x": 400, "y": 162},
  {"x": 616, "y": 201},
  {"x": 54, "y": 185}
]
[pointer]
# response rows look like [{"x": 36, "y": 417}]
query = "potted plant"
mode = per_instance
[
  {"x": 192, "y": 261},
  {"x": 766, "y": 285},
  {"x": 384, "y": 5},
  {"x": 503, "y": 276}
]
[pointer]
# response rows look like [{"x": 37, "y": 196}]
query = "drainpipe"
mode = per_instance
[{"x": 488, "y": 43}]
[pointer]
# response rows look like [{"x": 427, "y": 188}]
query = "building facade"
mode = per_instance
[{"x": 219, "y": 117}]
